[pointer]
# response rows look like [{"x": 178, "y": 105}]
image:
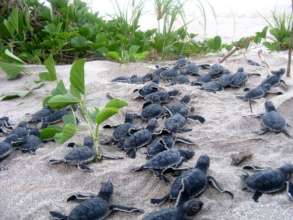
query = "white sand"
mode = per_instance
[{"x": 30, "y": 188}]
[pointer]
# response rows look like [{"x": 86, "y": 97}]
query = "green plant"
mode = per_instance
[
  {"x": 280, "y": 31},
  {"x": 76, "y": 96}
]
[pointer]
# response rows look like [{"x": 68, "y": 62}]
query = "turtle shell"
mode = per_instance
[
  {"x": 138, "y": 139},
  {"x": 148, "y": 89},
  {"x": 175, "y": 122},
  {"x": 216, "y": 70},
  {"x": 179, "y": 108},
  {"x": 163, "y": 214},
  {"x": 192, "y": 69},
  {"x": 273, "y": 121},
  {"x": 205, "y": 78},
  {"x": 159, "y": 96},
  {"x": 152, "y": 111},
  {"x": 31, "y": 144},
  {"x": 122, "y": 131},
  {"x": 39, "y": 115},
  {"x": 273, "y": 80},
  {"x": 196, "y": 183},
  {"x": 80, "y": 154},
  {"x": 93, "y": 208},
  {"x": 169, "y": 74},
  {"x": 225, "y": 80},
  {"x": 212, "y": 86},
  {"x": 160, "y": 144},
  {"x": 238, "y": 79},
  {"x": 165, "y": 159},
  {"x": 267, "y": 181},
  {"x": 5, "y": 149}
]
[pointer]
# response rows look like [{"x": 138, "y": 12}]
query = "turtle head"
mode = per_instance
[
  {"x": 269, "y": 106},
  {"x": 287, "y": 169},
  {"x": 173, "y": 92},
  {"x": 106, "y": 190},
  {"x": 186, "y": 99},
  {"x": 266, "y": 87},
  {"x": 187, "y": 154},
  {"x": 192, "y": 207},
  {"x": 240, "y": 69},
  {"x": 203, "y": 163},
  {"x": 88, "y": 141},
  {"x": 152, "y": 124},
  {"x": 279, "y": 72}
]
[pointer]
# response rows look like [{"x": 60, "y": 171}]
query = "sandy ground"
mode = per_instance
[{"x": 30, "y": 188}]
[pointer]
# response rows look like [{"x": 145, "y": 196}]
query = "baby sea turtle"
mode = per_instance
[
  {"x": 269, "y": 181},
  {"x": 94, "y": 207},
  {"x": 147, "y": 89},
  {"x": 55, "y": 117},
  {"x": 191, "y": 184},
  {"x": 5, "y": 126},
  {"x": 79, "y": 156},
  {"x": 190, "y": 69},
  {"x": 183, "y": 212},
  {"x": 152, "y": 110},
  {"x": 273, "y": 121},
  {"x": 216, "y": 70},
  {"x": 134, "y": 79},
  {"x": 165, "y": 142},
  {"x": 39, "y": 115},
  {"x": 239, "y": 78},
  {"x": 225, "y": 80},
  {"x": 31, "y": 144},
  {"x": 169, "y": 74},
  {"x": 180, "y": 79},
  {"x": 275, "y": 79},
  {"x": 5, "y": 149},
  {"x": 202, "y": 79},
  {"x": 166, "y": 160},
  {"x": 161, "y": 96},
  {"x": 213, "y": 86},
  {"x": 139, "y": 138}
]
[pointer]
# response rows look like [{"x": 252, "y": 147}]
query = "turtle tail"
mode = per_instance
[{"x": 58, "y": 216}]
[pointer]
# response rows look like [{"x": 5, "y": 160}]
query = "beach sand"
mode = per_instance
[{"x": 30, "y": 188}]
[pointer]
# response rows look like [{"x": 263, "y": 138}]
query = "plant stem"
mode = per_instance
[
  {"x": 290, "y": 48},
  {"x": 230, "y": 53}
]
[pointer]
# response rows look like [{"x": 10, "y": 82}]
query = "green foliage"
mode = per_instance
[
  {"x": 77, "y": 85},
  {"x": 51, "y": 75},
  {"x": 61, "y": 101},
  {"x": 280, "y": 26}
]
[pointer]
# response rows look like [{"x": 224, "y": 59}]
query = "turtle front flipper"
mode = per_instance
[
  {"x": 284, "y": 131},
  {"x": 197, "y": 118},
  {"x": 79, "y": 197},
  {"x": 161, "y": 201},
  {"x": 262, "y": 131},
  {"x": 54, "y": 161},
  {"x": 104, "y": 157},
  {"x": 120, "y": 208},
  {"x": 58, "y": 216},
  {"x": 183, "y": 141},
  {"x": 183, "y": 195},
  {"x": 289, "y": 189},
  {"x": 256, "y": 196},
  {"x": 160, "y": 174},
  {"x": 84, "y": 168},
  {"x": 254, "y": 168},
  {"x": 184, "y": 130},
  {"x": 217, "y": 186}
]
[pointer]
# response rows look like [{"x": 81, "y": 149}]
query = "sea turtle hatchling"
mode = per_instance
[
  {"x": 94, "y": 207},
  {"x": 275, "y": 79},
  {"x": 273, "y": 121},
  {"x": 147, "y": 89},
  {"x": 239, "y": 78},
  {"x": 5, "y": 149},
  {"x": 161, "y": 96},
  {"x": 166, "y": 160},
  {"x": 183, "y": 212},
  {"x": 191, "y": 184},
  {"x": 216, "y": 70},
  {"x": 152, "y": 110},
  {"x": 5, "y": 126},
  {"x": 212, "y": 86},
  {"x": 31, "y": 144},
  {"x": 169, "y": 74},
  {"x": 139, "y": 138},
  {"x": 79, "y": 156},
  {"x": 269, "y": 181}
]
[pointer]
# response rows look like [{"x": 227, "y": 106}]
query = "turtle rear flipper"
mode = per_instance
[
  {"x": 84, "y": 168},
  {"x": 54, "y": 161},
  {"x": 197, "y": 118},
  {"x": 256, "y": 196},
  {"x": 289, "y": 190},
  {"x": 79, "y": 197},
  {"x": 216, "y": 185},
  {"x": 58, "y": 216},
  {"x": 161, "y": 201},
  {"x": 121, "y": 208}
]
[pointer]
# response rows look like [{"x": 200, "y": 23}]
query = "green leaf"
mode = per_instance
[
  {"x": 116, "y": 103},
  {"x": 51, "y": 74},
  {"x": 104, "y": 114},
  {"x": 12, "y": 70},
  {"x": 13, "y": 57},
  {"x": 60, "y": 89},
  {"x": 50, "y": 132},
  {"x": 79, "y": 42},
  {"x": 69, "y": 119},
  {"x": 60, "y": 101},
  {"x": 20, "y": 93},
  {"x": 67, "y": 132},
  {"x": 77, "y": 77},
  {"x": 215, "y": 43},
  {"x": 93, "y": 114}
]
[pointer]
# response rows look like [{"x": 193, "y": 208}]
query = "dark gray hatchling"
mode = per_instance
[
  {"x": 39, "y": 115},
  {"x": 134, "y": 79},
  {"x": 216, "y": 70},
  {"x": 275, "y": 79},
  {"x": 5, "y": 150},
  {"x": 202, "y": 79},
  {"x": 152, "y": 110},
  {"x": 180, "y": 79},
  {"x": 139, "y": 139},
  {"x": 239, "y": 78},
  {"x": 225, "y": 80},
  {"x": 94, "y": 207},
  {"x": 191, "y": 184},
  {"x": 31, "y": 144},
  {"x": 268, "y": 181},
  {"x": 147, "y": 89},
  {"x": 79, "y": 156},
  {"x": 273, "y": 121},
  {"x": 161, "y": 96},
  {"x": 190, "y": 69},
  {"x": 166, "y": 161},
  {"x": 185, "y": 211},
  {"x": 5, "y": 126},
  {"x": 213, "y": 86},
  {"x": 169, "y": 74}
]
